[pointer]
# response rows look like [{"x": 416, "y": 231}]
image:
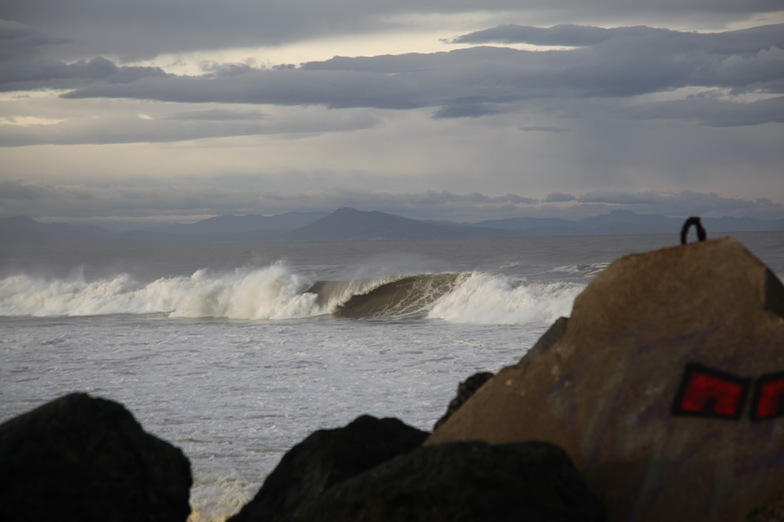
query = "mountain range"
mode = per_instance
[{"x": 348, "y": 224}]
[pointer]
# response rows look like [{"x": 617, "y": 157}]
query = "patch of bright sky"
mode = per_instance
[
  {"x": 756, "y": 21},
  {"x": 415, "y": 34},
  {"x": 683, "y": 93},
  {"x": 26, "y": 121}
]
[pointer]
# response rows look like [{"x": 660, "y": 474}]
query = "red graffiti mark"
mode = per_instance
[
  {"x": 768, "y": 398},
  {"x": 705, "y": 392}
]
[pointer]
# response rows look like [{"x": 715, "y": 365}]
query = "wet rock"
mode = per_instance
[
  {"x": 84, "y": 459},
  {"x": 468, "y": 481},
  {"x": 465, "y": 390},
  {"x": 326, "y": 458},
  {"x": 666, "y": 388}
]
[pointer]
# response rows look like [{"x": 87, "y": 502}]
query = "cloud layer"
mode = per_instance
[{"x": 605, "y": 97}]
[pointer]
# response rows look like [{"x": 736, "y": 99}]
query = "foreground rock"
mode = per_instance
[
  {"x": 86, "y": 459},
  {"x": 666, "y": 387},
  {"x": 326, "y": 458},
  {"x": 465, "y": 390},
  {"x": 469, "y": 481}
]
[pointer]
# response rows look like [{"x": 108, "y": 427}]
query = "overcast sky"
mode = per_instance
[{"x": 177, "y": 110}]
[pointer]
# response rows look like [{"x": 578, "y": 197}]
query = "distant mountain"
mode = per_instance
[
  {"x": 349, "y": 224},
  {"x": 619, "y": 222},
  {"x": 22, "y": 231},
  {"x": 247, "y": 223}
]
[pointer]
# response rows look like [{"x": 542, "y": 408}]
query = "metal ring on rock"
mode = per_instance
[{"x": 697, "y": 224}]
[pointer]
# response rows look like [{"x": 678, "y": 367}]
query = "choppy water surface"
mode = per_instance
[{"x": 235, "y": 353}]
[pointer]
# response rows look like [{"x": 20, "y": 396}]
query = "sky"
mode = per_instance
[{"x": 129, "y": 113}]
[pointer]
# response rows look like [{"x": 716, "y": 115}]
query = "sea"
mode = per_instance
[{"x": 237, "y": 352}]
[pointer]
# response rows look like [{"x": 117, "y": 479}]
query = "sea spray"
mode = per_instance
[
  {"x": 492, "y": 299},
  {"x": 277, "y": 292},
  {"x": 273, "y": 292}
]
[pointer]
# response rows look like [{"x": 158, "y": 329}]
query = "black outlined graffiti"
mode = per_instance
[
  {"x": 705, "y": 392},
  {"x": 768, "y": 397}
]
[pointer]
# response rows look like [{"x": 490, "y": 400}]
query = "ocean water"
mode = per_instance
[{"x": 237, "y": 352}]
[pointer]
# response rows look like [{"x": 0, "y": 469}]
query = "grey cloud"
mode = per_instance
[
  {"x": 714, "y": 112},
  {"x": 543, "y": 128},
  {"x": 21, "y": 41},
  {"x": 16, "y": 190},
  {"x": 55, "y": 74},
  {"x": 150, "y": 27},
  {"x": 230, "y": 195},
  {"x": 732, "y": 42},
  {"x": 217, "y": 115},
  {"x": 559, "y": 35},
  {"x": 484, "y": 80},
  {"x": 128, "y": 127},
  {"x": 685, "y": 202},
  {"x": 559, "y": 197}
]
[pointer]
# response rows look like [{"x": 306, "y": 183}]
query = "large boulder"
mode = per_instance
[
  {"x": 465, "y": 390},
  {"x": 463, "y": 482},
  {"x": 85, "y": 459},
  {"x": 326, "y": 458},
  {"x": 666, "y": 388}
]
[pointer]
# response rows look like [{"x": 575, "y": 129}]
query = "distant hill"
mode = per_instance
[
  {"x": 247, "y": 223},
  {"x": 25, "y": 231},
  {"x": 619, "y": 222},
  {"x": 348, "y": 224}
]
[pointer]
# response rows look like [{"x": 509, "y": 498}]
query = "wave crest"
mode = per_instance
[
  {"x": 492, "y": 299},
  {"x": 273, "y": 292},
  {"x": 277, "y": 292}
]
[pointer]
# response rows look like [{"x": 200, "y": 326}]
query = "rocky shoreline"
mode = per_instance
[{"x": 660, "y": 398}]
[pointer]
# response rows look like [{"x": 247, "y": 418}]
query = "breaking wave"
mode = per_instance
[{"x": 278, "y": 292}]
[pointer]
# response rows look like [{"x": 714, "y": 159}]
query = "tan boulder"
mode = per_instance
[{"x": 666, "y": 389}]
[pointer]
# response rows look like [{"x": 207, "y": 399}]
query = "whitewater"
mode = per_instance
[{"x": 237, "y": 352}]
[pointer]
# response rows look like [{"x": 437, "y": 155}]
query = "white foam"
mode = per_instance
[
  {"x": 273, "y": 292},
  {"x": 215, "y": 496},
  {"x": 492, "y": 299}
]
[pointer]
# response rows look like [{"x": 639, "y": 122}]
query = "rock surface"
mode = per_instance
[
  {"x": 326, "y": 458},
  {"x": 666, "y": 388},
  {"x": 465, "y": 390},
  {"x": 85, "y": 459},
  {"x": 468, "y": 481}
]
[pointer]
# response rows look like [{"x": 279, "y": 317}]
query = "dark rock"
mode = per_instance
[
  {"x": 547, "y": 340},
  {"x": 326, "y": 458},
  {"x": 770, "y": 511},
  {"x": 87, "y": 459},
  {"x": 465, "y": 390},
  {"x": 465, "y": 481}
]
